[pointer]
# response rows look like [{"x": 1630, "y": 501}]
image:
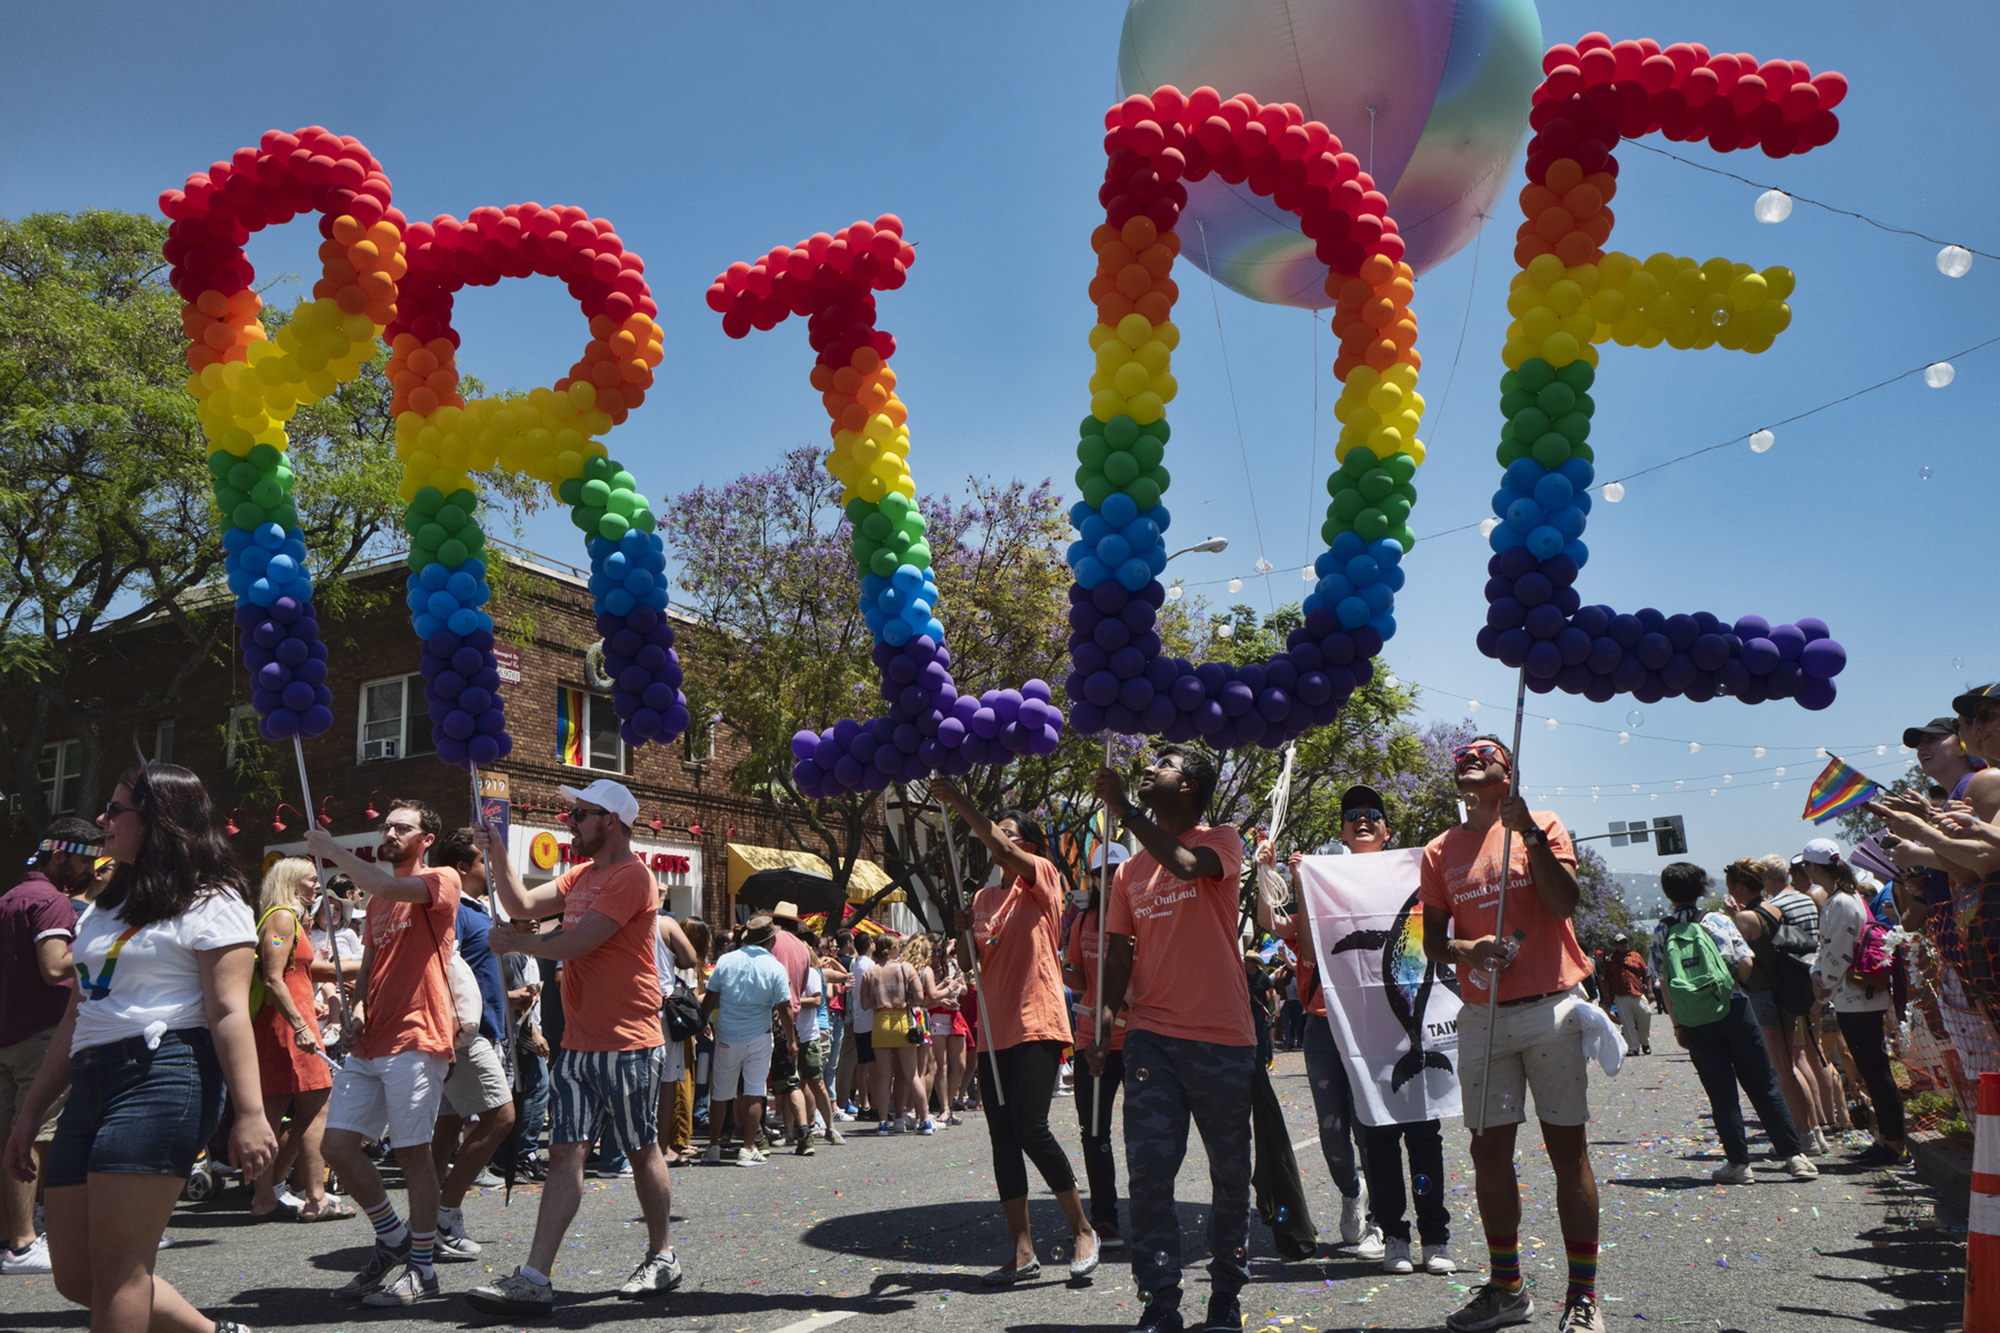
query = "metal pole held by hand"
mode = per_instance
[
  {"x": 972, "y": 955},
  {"x": 1500, "y": 907},
  {"x": 1100, "y": 1113},
  {"x": 347, "y": 1033}
]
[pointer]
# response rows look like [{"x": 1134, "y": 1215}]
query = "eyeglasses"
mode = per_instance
[
  {"x": 579, "y": 814},
  {"x": 113, "y": 810},
  {"x": 1356, "y": 816},
  {"x": 1983, "y": 716},
  {"x": 1479, "y": 749},
  {"x": 398, "y": 826}
]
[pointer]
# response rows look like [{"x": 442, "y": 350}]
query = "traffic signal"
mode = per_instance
[{"x": 1670, "y": 836}]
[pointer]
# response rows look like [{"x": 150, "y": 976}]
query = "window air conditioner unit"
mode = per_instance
[{"x": 374, "y": 750}]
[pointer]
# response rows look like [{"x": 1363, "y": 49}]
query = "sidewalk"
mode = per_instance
[{"x": 1946, "y": 1166}]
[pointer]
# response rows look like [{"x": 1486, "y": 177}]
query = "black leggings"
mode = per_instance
[
  {"x": 1028, "y": 1075},
  {"x": 1863, "y": 1034},
  {"x": 1100, "y": 1158}
]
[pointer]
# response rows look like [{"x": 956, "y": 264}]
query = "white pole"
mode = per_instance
[
  {"x": 499, "y": 915},
  {"x": 972, "y": 955},
  {"x": 347, "y": 1033},
  {"x": 1100, "y": 1112},
  {"x": 1500, "y": 907}
]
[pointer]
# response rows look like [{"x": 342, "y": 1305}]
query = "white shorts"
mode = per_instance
[
  {"x": 941, "y": 1024},
  {"x": 398, "y": 1093},
  {"x": 1537, "y": 1045},
  {"x": 478, "y": 1082},
  {"x": 749, "y": 1060}
]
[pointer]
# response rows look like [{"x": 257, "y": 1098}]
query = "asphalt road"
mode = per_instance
[{"x": 894, "y": 1233}]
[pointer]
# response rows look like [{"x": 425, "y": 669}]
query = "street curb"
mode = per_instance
[{"x": 1946, "y": 1167}]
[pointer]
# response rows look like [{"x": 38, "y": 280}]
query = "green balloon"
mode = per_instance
[
  {"x": 248, "y": 514},
  {"x": 428, "y": 499},
  {"x": 219, "y": 464},
  {"x": 432, "y": 534},
  {"x": 1586, "y": 405},
  {"x": 1552, "y": 451},
  {"x": 877, "y": 526},
  {"x": 1120, "y": 468},
  {"x": 1509, "y": 382},
  {"x": 915, "y": 524},
  {"x": 1161, "y": 478},
  {"x": 894, "y": 505},
  {"x": 1514, "y": 400},
  {"x": 1145, "y": 492},
  {"x": 623, "y": 503},
  {"x": 1096, "y": 490},
  {"x": 1371, "y": 523},
  {"x": 1089, "y": 426},
  {"x": 622, "y": 480},
  {"x": 1574, "y": 427},
  {"x": 1530, "y": 423},
  {"x": 268, "y": 493},
  {"x": 899, "y": 541},
  {"x": 1579, "y": 375},
  {"x": 1376, "y": 483},
  {"x": 265, "y": 457},
  {"x": 1397, "y": 510},
  {"x": 571, "y": 490},
  {"x": 919, "y": 555},
  {"x": 1331, "y": 529},
  {"x": 644, "y": 519},
  {"x": 1359, "y": 459},
  {"x": 1510, "y": 452},
  {"x": 243, "y": 477},
  {"x": 417, "y": 559},
  {"x": 1091, "y": 451},
  {"x": 883, "y": 562},
  {"x": 1120, "y": 431},
  {"x": 1535, "y": 374},
  {"x": 586, "y": 517},
  {"x": 1406, "y": 538},
  {"x": 1584, "y": 452},
  {"x": 1149, "y": 451},
  {"x": 451, "y": 553},
  {"x": 464, "y": 499},
  {"x": 227, "y": 498},
  {"x": 613, "y": 526},
  {"x": 858, "y": 510},
  {"x": 1160, "y": 431},
  {"x": 1556, "y": 399},
  {"x": 1400, "y": 466},
  {"x": 596, "y": 493},
  {"x": 862, "y": 547},
  {"x": 286, "y": 515},
  {"x": 597, "y": 468},
  {"x": 1347, "y": 504}
]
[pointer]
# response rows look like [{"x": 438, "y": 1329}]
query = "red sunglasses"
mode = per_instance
[{"x": 1482, "y": 749}]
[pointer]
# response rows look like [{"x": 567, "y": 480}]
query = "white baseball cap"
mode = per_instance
[
  {"x": 1821, "y": 852},
  {"x": 1119, "y": 854},
  {"x": 607, "y": 795}
]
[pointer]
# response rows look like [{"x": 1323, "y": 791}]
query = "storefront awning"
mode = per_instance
[{"x": 864, "y": 882}]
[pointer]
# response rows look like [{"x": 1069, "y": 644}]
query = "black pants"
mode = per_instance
[
  {"x": 1028, "y": 1076},
  {"x": 1100, "y": 1160},
  {"x": 1730, "y": 1051},
  {"x": 1384, "y": 1169},
  {"x": 1863, "y": 1034}
]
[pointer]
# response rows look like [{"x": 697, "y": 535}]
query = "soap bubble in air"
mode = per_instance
[
  {"x": 1958, "y": 664},
  {"x": 1635, "y": 719},
  {"x": 1924, "y": 473}
]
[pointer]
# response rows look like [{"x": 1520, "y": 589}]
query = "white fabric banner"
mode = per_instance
[{"x": 1392, "y": 1012}]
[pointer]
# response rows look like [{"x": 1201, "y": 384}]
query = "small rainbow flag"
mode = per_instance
[
  {"x": 569, "y": 727},
  {"x": 1838, "y": 789}
]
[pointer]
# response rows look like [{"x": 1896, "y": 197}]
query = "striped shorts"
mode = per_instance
[{"x": 612, "y": 1096}]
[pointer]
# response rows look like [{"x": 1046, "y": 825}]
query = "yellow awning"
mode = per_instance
[{"x": 863, "y": 882}]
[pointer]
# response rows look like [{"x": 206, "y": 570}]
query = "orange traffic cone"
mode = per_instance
[{"x": 1982, "y": 1241}]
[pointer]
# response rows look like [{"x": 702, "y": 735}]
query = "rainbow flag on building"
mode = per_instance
[
  {"x": 569, "y": 726},
  {"x": 1838, "y": 789}
]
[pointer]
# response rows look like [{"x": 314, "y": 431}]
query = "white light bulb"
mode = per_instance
[
  {"x": 1174, "y": 593},
  {"x": 1680, "y": 782},
  {"x": 1938, "y": 374},
  {"x": 1758, "y": 752},
  {"x": 1772, "y": 206},
  {"x": 1777, "y": 784},
  {"x": 1624, "y": 736},
  {"x": 1779, "y": 770},
  {"x": 1614, "y": 491},
  {"x": 1472, "y": 705},
  {"x": 1225, "y": 630},
  {"x": 1550, "y": 724},
  {"x": 1236, "y": 585},
  {"x": 1954, "y": 261},
  {"x": 1593, "y": 791},
  {"x": 1309, "y": 574},
  {"x": 1656, "y": 796},
  {"x": 1487, "y": 526},
  {"x": 1559, "y": 791},
  {"x": 1694, "y": 747},
  {"x": 1761, "y": 441},
  {"x": 1391, "y": 682},
  {"x": 1711, "y": 791},
  {"x": 1728, "y": 778}
]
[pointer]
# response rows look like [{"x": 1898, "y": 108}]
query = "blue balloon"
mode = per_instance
[
  {"x": 1142, "y": 533},
  {"x": 261, "y": 592},
  {"x": 1524, "y": 516},
  {"x": 874, "y": 617},
  {"x": 1387, "y": 551},
  {"x": 1553, "y": 491},
  {"x": 270, "y": 536},
  {"x": 463, "y": 621},
  {"x": 1081, "y": 513},
  {"x": 1135, "y": 574},
  {"x": 237, "y": 539},
  {"x": 1353, "y": 612},
  {"x": 873, "y": 584},
  {"x": 1348, "y": 545},
  {"x": 1078, "y": 550},
  {"x": 426, "y": 624},
  {"x": 1119, "y": 509},
  {"x": 1395, "y": 577},
  {"x": 1090, "y": 571},
  {"x": 896, "y": 631},
  {"x": 892, "y": 600},
  {"x": 1568, "y": 521},
  {"x": 615, "y": 565},
  {"x": 299, "y": 589},
  {"x": 239, "y": 581},
  {"x": 434, "y": 576},
  {"x": 1578, "y": 552},
  {"x": 1114, "y": 550},
  {"x": 639, "y": 582},
  {"x": 464, "y": 587},
  {"x": 1335, "y": 588},
  {"x": 416, "y": 598},
  {"x": 1545, "y": 541},
  {"x": 1502, "y": 498},
  {"x": 1385, "y": 625},
  {"x": 1362, "y": 570},
  {"x": 1505, "y": 538},
  {"x": 1523, "y": 475},
  {"x": 1095, "y": 529},
  {"x": 1579, "y": 472},
  {"x": 908, "y": 577},
  {"x": 1378, "y": 597},
  {"x": 619, "y": 602},
  {"x": 1156, "y": 559},
  {"x": 442, "y": 605},
  {"x": 1325, "y": 563},
  {"x": 255, "y": 559}
]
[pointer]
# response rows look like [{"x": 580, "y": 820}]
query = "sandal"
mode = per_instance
[
  {"x": 279, "y": 1214},
  {"x": 1007, "y": 1277},
  {"x": 333, "y": 1210}
]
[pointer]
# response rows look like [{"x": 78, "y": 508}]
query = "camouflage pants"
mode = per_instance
[{"x": 1168, "y": 1082}]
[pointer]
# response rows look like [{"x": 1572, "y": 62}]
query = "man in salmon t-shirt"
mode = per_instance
[
  {"x": 1173, "y": 967},
  {"x": 1537, "y": 1027},
  {"x": 393, "y": 1078},
  {"x": 612, "y": 1057}
]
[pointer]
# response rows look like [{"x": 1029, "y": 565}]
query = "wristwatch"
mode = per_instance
[{"x": 1535, "y": 837}]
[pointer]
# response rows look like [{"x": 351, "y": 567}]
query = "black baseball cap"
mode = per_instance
[
  {"x": 1965, "y": 705},
  {"x": 1937, "y": 726},
  {"x": 1361, "y": 797}
]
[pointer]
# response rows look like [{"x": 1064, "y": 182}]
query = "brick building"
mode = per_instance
[{"x": 690, "y": 816}]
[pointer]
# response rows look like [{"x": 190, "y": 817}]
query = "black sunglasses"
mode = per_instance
[{"x": 1356, "y": 816}]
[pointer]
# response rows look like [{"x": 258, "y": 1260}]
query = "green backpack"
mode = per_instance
[{"x": 1699, "y": 983}]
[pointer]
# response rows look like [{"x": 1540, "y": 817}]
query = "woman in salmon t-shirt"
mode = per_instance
[
  {"x": 1080, "y": 966},
  {"x": 1026, "y": 1027}
]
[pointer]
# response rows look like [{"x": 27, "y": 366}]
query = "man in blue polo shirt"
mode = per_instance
[{"x": 748, "y": 993}]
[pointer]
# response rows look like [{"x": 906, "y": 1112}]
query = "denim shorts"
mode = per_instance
[{"x": 138, "y": 1112}]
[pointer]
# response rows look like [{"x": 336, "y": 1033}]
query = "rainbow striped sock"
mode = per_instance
[
  {"x": 1582, "y": 1267},
  {"x": 388, "y": 1226},
  {"x": 1503, "y": 1259},
  {"x": 423, "y": 1251}
]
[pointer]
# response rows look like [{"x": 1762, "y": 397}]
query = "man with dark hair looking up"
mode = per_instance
[
  {"x": 37, "y": 927},
  {"x": 1537, "y": 1026},
  {"x": 1173, "y": 967}
]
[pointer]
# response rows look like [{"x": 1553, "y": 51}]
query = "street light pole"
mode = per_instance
[{"x": 1213, "y": 544}]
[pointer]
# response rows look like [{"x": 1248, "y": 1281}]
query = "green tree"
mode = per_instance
[{"x": 106, "y": 517}]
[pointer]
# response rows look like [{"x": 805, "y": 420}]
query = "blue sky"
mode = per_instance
[{"x": 709, "y": 134}]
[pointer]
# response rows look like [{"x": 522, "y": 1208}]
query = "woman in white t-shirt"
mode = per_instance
[{"x": 158, "y": 1022}]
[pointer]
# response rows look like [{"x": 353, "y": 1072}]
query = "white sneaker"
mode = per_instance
[
  {"x": 841, "y": 1115},
  {"x": 1438, "y": 1260},
  {"x": 1353, "y": 1209},
  {"x": 1371, "y": 1245},
  {"x": 1820, "y": 1145},
  {"x": 34, "y": 1259},
  {"x": 1801, "y": 1167},
  {"x": 751, "y": 1157},
  {"x": 908, "y": 1124},
  {"x": 1736, "y": 1173},
  {"x": 1396, "y": 1256}
]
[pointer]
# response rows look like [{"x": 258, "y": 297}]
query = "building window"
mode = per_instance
[
  {"x": 698, "y": 741},
  {"x": 393, "y": 722},
  {"x": 587, "y": 731},
  {"x": 243, "y": 734},
  {"x": 163, "y": 741},
  {"x": 62, "y": 775}
]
